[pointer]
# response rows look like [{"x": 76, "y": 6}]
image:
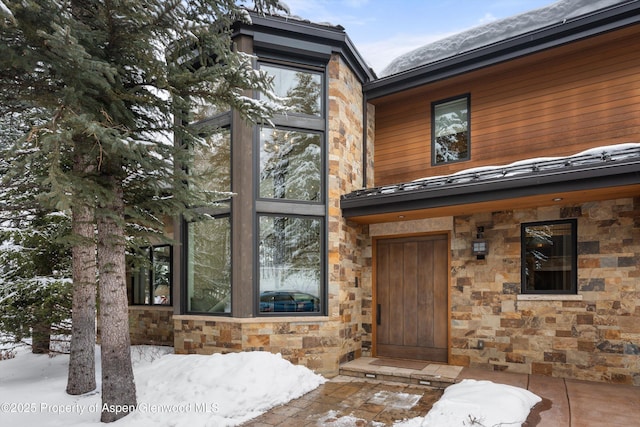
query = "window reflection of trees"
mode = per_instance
[
  {"x": 211, "y": 168},
  {"x": 291, "y": 169},
  {"x": 290, "y": 253},
  {"x": 537, "y": 238},
  {"x": 451, "y": 137},
  {"x": 209, "y": 281},
  {"x": 291, "y": 161},
  {"x": 290, "y": 165},
  {"x": 302, "y": 90}
]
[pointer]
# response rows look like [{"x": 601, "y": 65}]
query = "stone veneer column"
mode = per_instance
[{"x": 348, "y": 299}]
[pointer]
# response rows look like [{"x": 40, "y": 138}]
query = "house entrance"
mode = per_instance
[{"x": 411, "y": 298}]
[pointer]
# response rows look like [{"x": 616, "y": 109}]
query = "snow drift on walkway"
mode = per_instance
[{"x": 481, "y": 403}]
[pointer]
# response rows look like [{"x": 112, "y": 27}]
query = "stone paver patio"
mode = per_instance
[{"x": 367, "y": 394}]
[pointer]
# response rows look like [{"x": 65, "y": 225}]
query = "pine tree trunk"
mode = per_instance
[
  {"x": 41, "y": 337},
  {"x": 118, "y": 387},
  {"x": 82, "y": 366}
]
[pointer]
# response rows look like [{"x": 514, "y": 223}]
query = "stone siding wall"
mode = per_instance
[
  {"x": 151, "y": 325},
  {"x": 594, "y": 335},
  {"x": 310, "y": 341}
]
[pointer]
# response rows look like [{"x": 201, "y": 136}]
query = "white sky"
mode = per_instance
[{"x": 384, "y": 29}]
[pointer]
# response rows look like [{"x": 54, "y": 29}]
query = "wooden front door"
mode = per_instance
[{"x": 411, "y": 298}]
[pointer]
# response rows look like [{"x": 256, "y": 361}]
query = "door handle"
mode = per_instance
[{"x": 378, "y": 314}]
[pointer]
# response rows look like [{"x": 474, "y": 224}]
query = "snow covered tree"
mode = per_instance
[
  {"x": 116, "y": 79},
  {"x": 35, "y": 293}
]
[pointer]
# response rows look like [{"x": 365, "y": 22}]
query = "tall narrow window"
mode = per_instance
[
  {"x": 208, "y": 231},
  {"x": 151, "y": 283},
  {"x": 549, "y": 257},
  {"x": 291, "y": 197},
  {"x": 209, "y": 266},
  {"x": 450, "y": 130},
  {"x": 212, "y": 165}
]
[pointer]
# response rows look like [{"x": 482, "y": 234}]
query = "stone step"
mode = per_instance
[{"x": 432, "y": 375}]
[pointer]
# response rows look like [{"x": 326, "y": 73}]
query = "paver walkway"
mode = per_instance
[
  {"x": 366, "y": 397},
  {"x": 347, "y": 401}
]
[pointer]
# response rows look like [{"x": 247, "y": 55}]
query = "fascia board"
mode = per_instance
[{"x": 603, "y": 176}]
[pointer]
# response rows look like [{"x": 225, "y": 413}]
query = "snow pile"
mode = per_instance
[
  {"x": 495, "y": 32},
  {"x": 472, "y": 402},
  {"x": 592, "y": 157},
  {"x": 333, "y": 419},
  {"x": 617, "y": 152},
  {"x": 173, "y": 390},
  {"x": 217, "y": 390}
]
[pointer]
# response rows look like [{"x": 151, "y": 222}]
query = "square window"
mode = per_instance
[
  {"x": 290, "y": 263},
  {"x": 290, "y": 165},
  {"x": 549, "y": 257},
  {"x": 450, "y": 130},
  {"x": 300, "y": 89}
]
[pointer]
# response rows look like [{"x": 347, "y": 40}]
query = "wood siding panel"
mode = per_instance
[
  {"x": 554, "y": 103},
  {"x": 396, "y": 294},
  {"x": 383, "y": 277},
  {"x": 427, "y": 301},
  {"x": 410, "y": 297}
]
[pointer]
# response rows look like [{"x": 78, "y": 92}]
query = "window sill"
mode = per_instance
[
  {"x": 262, "y": 319},
  {"x": 547, "y": 297},
  {"x": 151, "y": 307}
]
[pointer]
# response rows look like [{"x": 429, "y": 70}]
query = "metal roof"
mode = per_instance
[{"x": 594, "y": 169}]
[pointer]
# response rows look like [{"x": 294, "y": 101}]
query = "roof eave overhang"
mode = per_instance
[
  {"x": 519, "y": 186},
  {"x": 305, "y": 39},
  {"x": 572, "y": 30}
]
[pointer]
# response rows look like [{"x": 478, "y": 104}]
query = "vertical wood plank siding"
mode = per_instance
[{"x": 554, "y": 103}]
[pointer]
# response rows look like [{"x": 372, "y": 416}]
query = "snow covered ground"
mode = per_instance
[
  {"x": 481, "y": 403},
  {"x": 217, "y": 390},
  {"x": 173, "y": 390}
]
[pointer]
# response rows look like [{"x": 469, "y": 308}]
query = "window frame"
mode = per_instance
[
  {"x": 262, "y": 200},
  {"x": 222, "y": 208},
  {"x": 148, "y": 286},
  {"x": 307, "y": 68},
  {"x": 322, "y": 294},
  {"x": 573, "y": 290},
  {"x": 315, "y": 209},
  {"x": 209, "y": 214},
  {"x": 434, "y": 105},
  {"x": 248, "y": 284}
]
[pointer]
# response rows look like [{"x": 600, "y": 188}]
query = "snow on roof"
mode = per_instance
[
  {"x": 590, "y": 157},
  {"x": 495, "y": 32}
]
